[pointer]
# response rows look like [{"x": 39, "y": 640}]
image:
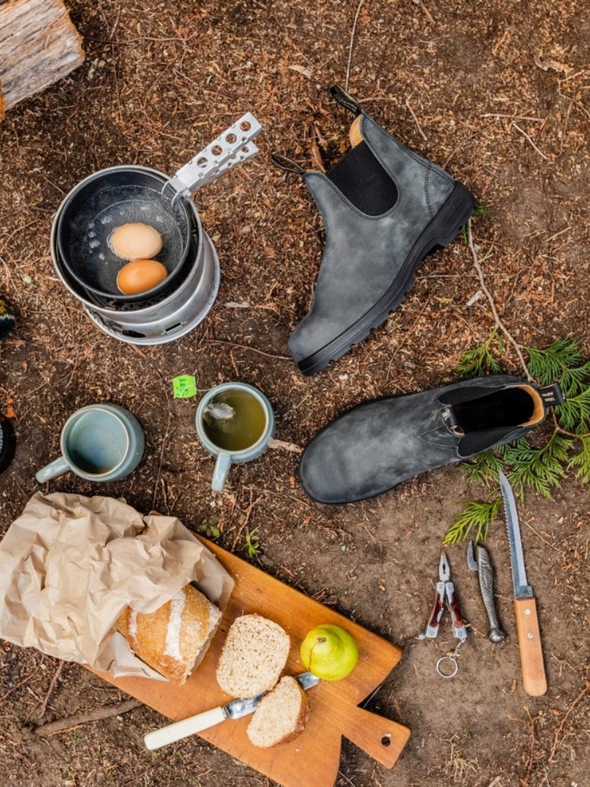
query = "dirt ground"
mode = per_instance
[{"x": 498, "y": 94}]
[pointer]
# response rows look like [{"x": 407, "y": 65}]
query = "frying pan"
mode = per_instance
[{"x": 124, "y": 194}]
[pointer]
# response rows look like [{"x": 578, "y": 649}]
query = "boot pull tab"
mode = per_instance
[
  {"x": 345, "y": 99},
  {"x": 286, "y": 164},
  {"x": 551, "y": 395}
]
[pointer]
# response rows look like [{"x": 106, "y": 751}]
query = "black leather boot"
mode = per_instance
[
  {"x": 377, "y": 445},
  {"x": 384, "y": 209}
]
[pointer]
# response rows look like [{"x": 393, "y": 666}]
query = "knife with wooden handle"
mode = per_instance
[
  {"x": 209, "y": 718},
  {"x": 527, "y": 624}
]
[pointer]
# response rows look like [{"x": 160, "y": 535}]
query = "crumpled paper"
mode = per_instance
[{"x": 70, "y": 564}]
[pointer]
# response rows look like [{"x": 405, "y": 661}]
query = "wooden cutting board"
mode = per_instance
[{"x": 312, "y": 760}]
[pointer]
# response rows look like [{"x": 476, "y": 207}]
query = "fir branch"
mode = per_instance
[
  {"x": 476, "y": 516},
  {"x": 484, "y": 467},
  {"x": 556, "y": 362},
  {"x": 581, "y": 461},
  {"x": 574, "y": 414},
  {"x": 539, "y": 469},
  {"x": 482, "y": 360}
]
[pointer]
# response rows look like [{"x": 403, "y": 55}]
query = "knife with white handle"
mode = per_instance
[
  {"x": 209, "y": 718},
  {"x": 534, "y": 680}
]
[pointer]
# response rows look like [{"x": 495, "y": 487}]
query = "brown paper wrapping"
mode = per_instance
[{"x": 70, "y": 564}]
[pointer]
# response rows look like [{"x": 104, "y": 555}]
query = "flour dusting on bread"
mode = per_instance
[{"x": 174, "y": 627}]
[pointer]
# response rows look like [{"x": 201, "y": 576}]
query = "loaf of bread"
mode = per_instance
[
  {"x": 281, "y": 715},
  {"x": 174, "y": 638},
  {"x": 253, "y": 656}
]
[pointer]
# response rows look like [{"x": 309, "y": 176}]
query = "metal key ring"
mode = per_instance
[{"x": 455, "y": 665}]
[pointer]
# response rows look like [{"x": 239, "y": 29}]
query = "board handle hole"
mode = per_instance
[{"x": 385, "y": 741}]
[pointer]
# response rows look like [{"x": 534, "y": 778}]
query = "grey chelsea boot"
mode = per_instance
[
  {"x": 377, "y": 445},
  {"x": 384, "y": 209}
]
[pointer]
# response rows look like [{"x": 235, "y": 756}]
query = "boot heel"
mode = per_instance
[{"x": 456, "y": 212}]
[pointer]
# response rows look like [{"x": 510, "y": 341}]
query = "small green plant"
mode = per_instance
[
  {"x": 542, "y": 469},
  {"x": 252, "y": 543},
  {"x": 208, "y": 527},
  {"x": 480, "y": 210}
]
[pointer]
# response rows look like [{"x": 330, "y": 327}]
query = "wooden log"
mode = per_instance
[{"x": 38, "y": 45}]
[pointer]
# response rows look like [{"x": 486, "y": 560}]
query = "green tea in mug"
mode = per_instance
[{"x": 234, "y": 420}]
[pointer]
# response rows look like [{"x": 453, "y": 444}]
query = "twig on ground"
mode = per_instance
[
  {"x": 50, "y": 689},
  {"x": 346, "y": 778},
  {"x": 167, "y": 434},
  {"x": 580, "y": 696},
  {"x": 82, "y": 718},
  {"x": 157, "y": 764},
  {"x": 296, "y": 449},
  {"x": 488, "y": 295},
  {"x": 246, "y": 518},
  {"x": 375, "y": 98},
  {"x": 247, "y": 347},
  {"x": 518, "y": 128},
  {"x": 416, "y": 121},
  {"x": 529, "y": 769},
  {"x": 356, "y": 18},
  {"x": 563, "y": 431},
  {"x": 22, "y": 683},
  {"x": 424, "y": 10}
]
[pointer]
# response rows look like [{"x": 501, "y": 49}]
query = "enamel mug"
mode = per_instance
[
  {"x": 100, "y": 442},
  {"x": 226, "y": 456}
]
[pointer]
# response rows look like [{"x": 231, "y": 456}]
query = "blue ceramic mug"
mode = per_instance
[
  {"x": 248, "y": 450},
  {"x": 100, "y": 442}
]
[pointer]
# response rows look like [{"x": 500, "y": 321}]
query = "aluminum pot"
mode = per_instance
[
  {"x": 162, "y": 319},
  {"x": 106, "y": 200}
]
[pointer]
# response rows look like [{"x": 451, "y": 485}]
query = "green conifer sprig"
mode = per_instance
[
  {"x": 542, "y": 468},
  {"x": 476, "y": 516},
  {"x": 581, "y": 462},
  {"x": 481, "y": 360}
]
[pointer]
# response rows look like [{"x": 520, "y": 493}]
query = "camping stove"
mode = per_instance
[
  {"x": 166, "y": 311},
  {"x": 161, "y": 320}
]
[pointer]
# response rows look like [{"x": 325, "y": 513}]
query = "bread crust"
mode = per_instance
[
  {"x": 173, "y": 637},
  {"x": 299, "y": 723}
]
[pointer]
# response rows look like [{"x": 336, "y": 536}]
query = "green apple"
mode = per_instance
[{"x": 329, "y": 652}]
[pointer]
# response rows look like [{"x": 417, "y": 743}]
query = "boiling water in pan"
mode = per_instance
[{"x": 111, "y": 208}]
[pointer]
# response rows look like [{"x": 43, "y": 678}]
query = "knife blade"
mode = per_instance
[
  {"x": 527, "y": 623},
  {"x": 209, "y": 718}
]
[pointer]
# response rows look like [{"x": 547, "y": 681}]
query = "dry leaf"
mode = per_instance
[
  {"x": 554, "y": 65},
  {"x": 306, "y": 72},
  {"x": 317, "y": 155}
]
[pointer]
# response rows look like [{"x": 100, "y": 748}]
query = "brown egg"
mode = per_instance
[
  {"x": 135, "y": 241},
  {"x": 140, "y": 275}
]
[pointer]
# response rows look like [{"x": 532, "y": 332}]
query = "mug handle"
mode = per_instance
[
  {"x": 222, "y": 466},
  {"x": 52, "y": 470}
]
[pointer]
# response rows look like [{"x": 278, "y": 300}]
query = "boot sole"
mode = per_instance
[{"x": 441, "y": 231}]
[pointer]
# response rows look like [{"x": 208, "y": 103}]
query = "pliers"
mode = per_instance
[{"x": 445, "y": 594}]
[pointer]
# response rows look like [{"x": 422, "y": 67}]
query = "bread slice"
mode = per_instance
[
  {"x": 253, "y": 656},
  {"x": 175, "y": 637},
  {"x": 281, "y": 715}
]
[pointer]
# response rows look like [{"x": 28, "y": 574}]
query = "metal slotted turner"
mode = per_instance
[{"x": 232, "y": 147}]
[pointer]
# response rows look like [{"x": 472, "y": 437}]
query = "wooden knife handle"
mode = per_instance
[
  {"x": 381, "y": 738},
  {"x": 531, "y": 651}
]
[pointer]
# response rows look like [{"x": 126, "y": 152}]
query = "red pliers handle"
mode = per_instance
[{"x": 445, "y": 596}]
